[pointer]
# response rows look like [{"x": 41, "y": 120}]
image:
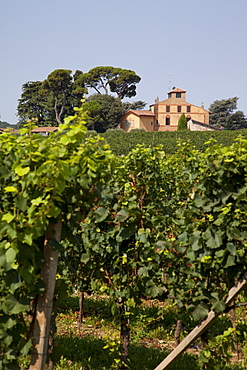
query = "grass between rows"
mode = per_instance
[{"x": 153, "y": 324}]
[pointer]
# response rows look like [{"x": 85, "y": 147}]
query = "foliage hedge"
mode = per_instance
[{"x": 121, "y": 143}]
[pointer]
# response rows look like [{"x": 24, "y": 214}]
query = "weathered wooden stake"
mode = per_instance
[
  {"x": 81, "y": 311},
  {"x": 124, "y": 334},
  {"x": 178, "y": 332},
  {"x": 234, "y": 325},
  {"x": 45, "y": 302},
  {"x": 199, "y": 329}
]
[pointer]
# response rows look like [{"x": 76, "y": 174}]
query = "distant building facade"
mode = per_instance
[
  {"x": 164, "y": 115},
  {"x": 44, "y": 131},
  {"x": 138, "y": 119}
]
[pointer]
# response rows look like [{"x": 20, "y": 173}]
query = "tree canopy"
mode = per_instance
[
  {"x": 34, "y": 105},
  {"x": 224, "y": 114},
  {"x": 120, "y": 81},
  {"x": 58, "y": 84},
  {"x": 49, "y": 101},
  {"x": 104, "y": 112}
]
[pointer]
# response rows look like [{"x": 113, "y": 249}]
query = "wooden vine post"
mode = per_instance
[
  {"x": 200, "y": 328},
  {"x": 45, "y": 302}
]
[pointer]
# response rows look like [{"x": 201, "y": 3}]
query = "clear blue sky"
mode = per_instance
[{"x": 199, "y": 46}]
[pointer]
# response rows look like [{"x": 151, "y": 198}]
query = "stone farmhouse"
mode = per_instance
[{"x": 164, "y": 115}]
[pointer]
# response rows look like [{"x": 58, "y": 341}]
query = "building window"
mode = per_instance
[
  {"x": 178, "y": 95},
  {"x": 129, "y": 123},
  {"x": 188, "y": 108},
  {"x": 167, "y": 120},
  {"x": 169, "y": 95},
  {"x": 188, "y": 117},
  {"x": 179, "y": 108},
  {"x": 168, "y": 108}
]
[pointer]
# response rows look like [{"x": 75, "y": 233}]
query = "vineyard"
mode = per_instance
[
  {"x": 121, "y": 143},
  {"x": 155, "y": 222}
]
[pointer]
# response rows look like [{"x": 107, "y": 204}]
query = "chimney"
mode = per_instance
[{"x": 202, "y": 106}]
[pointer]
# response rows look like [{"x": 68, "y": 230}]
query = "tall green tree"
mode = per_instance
[
  {"x": 104, "y": 112},
  {"x": 63, "y": 90},
  {"x": 78, "y": 89},
  {"x": 124, "y": 83},
  {"x": 48, "y": 102},
  {"x": 224, "y": 114},
  {"x": 182, "y": 123},
  {"x": 33, "y": 104},
  {"x": 120, "y": 81},
  {"x": 236, "y": 121}
]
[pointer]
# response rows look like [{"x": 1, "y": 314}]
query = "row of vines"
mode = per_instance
[
  {"x": 121, "y": 143},
  {"x": 141, "y": 225}
]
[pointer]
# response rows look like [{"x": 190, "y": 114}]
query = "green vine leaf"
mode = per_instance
[
  {"x": 21, "y": 171},
  {"x": 8, "y": 217},
  {"x": 101, "y": 214},
  {"x": 13, "y": 306},
  {"x": 10, "y": 189},
  {"x": 122, "y": 215},
  {"x": 200, "y": 312}
]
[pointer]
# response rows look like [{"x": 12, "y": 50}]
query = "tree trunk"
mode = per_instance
[
  {"x": 58, "y": 115},
  {"x": 81, "y": 312},
  {"x": 124, "y": 333},
  {"x": 236, "y": 344},
  {"x": 45, "y": 302},
  {"x": 178, "y": 332}
]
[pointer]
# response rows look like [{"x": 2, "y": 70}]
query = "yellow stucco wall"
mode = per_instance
[
  {"x": 147, "y": 123},
  {"x": 131, "y": 121}
]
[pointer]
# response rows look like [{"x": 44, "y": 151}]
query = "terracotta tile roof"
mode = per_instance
[
  {"x": 45, "y": 129},
  {"x": 8, "y": 129},
  {"x": 177, "y": 90},
  {"x": 141, "y": 112}
]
